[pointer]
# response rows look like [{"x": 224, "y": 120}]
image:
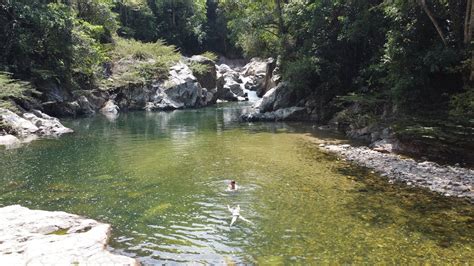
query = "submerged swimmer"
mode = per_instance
[
  {"x": 232, "y": 186},
  {"x": 236, "y": 215}
]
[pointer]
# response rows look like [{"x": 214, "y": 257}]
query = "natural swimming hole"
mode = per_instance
[{"x": 160, "y": 178}]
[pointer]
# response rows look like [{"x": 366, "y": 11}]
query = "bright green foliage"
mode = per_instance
[
  {"x": 367, "y": 47},
  {"x": 198, "y": 68},
  {"x": 462, "y": 105},
  {"x": 254, "y": 26},
  {"x": 140, "y": 50},
  {"x": 137, "y": 62},
  {"x": 54, "y": 41},
  {"x": 178, "y": 22},
  {"x": 210, "y": 55}
]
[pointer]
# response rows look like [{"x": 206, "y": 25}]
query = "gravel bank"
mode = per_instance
[{"x": 447, "y": 180}]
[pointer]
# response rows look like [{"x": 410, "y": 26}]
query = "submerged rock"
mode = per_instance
[
  {"x": 284, "y": 114},
  {"x": 37, "y": 237}
]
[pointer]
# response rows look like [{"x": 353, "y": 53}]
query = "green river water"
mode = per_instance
[{"x": 160, "y": 180}]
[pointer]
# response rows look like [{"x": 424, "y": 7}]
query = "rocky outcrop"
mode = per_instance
[
  {"x": 180, "y": 90},
  {"x": 281, "y": 96},
  {"x": 279, "y": 103},
  {"x": 447, "y": 180},
  {"x": 29, "y": 126},
  {"x": 208, "y": 78},
  {"x": 229, "y": 84},
  {"x": 261, "y": 75},
  {"x": 34, "y": 237},
  {"x": 272, "y": 77}
]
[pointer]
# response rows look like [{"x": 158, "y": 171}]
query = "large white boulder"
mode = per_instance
[
  {"x": 34, "y": 237},
  {"x": 180, "y": 90},
  {"x": 9, "y": 141}
]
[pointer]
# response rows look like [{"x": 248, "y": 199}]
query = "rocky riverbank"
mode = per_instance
[
  {"x": 448, "y": 180},
  {"x": 16, "y": 129},
  {"x": 34, "y": 237},
  {"x": 191, "y": 83}
]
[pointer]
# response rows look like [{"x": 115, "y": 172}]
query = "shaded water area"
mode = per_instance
[{"x": 160, "y": 180}]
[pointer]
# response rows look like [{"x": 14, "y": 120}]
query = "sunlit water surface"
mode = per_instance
[{"x": 160, "y": 180}]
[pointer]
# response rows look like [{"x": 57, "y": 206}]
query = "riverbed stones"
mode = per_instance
[
  {"x": 452, "y": 180},
  {"x": 35, "y": 237}
]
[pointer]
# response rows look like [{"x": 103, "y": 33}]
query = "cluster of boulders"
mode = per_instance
[
  {"x": 18, "y": 129},
  {"x": 34, "y": 237},
  {"x": 279, "y": 100},
  {"x": 277, "y": 104},
  {"x": 181, "y": 89},
  {"x": 447, "y": 180}
]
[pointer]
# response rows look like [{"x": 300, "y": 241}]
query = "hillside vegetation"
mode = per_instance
[{"x": 392, "y": 59}]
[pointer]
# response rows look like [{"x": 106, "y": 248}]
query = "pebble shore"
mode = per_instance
[{"x": 448, "y": 180}]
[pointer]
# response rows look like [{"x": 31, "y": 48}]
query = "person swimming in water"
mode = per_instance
[
  {"x": 232, "y": 186},
  {"x": 236, "y": 215}
]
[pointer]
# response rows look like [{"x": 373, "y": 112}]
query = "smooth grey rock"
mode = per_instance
[
  {"x": 21, "y": 126},
  {"x": 180, "y": 90},
  {"x": 282, "y": 96},
  {"x": 29, "y": 237},
  {"x": 182, "y": 86},
  {"x": 31, "y": 125},
  {"x": 229, "y": 86},
  {"x": 47, "y": 125},
  {"x": 284, "y": 114},
  {"x": 255, "y": 67},
  {"x": 9, "y": 141}
]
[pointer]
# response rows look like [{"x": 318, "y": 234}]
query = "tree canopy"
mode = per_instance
[{"x": 410, "y": 55}]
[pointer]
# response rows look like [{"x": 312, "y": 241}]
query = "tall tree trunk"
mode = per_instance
[
  {"x": 468, "y": 28},
  {"x": 433, "y": 20},
  {"x": 173, "y": 13},
  {"x": 467, "y": 23},
  {"x": 281, "y": 26}
]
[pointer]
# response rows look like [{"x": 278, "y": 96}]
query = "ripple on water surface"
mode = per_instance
[{"x": 160, "y": 180}]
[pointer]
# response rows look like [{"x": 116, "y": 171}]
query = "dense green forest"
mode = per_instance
[{"x": 391, "y": 57}]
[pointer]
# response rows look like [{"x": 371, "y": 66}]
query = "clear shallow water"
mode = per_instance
[{"x": 160, "y": 179}]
